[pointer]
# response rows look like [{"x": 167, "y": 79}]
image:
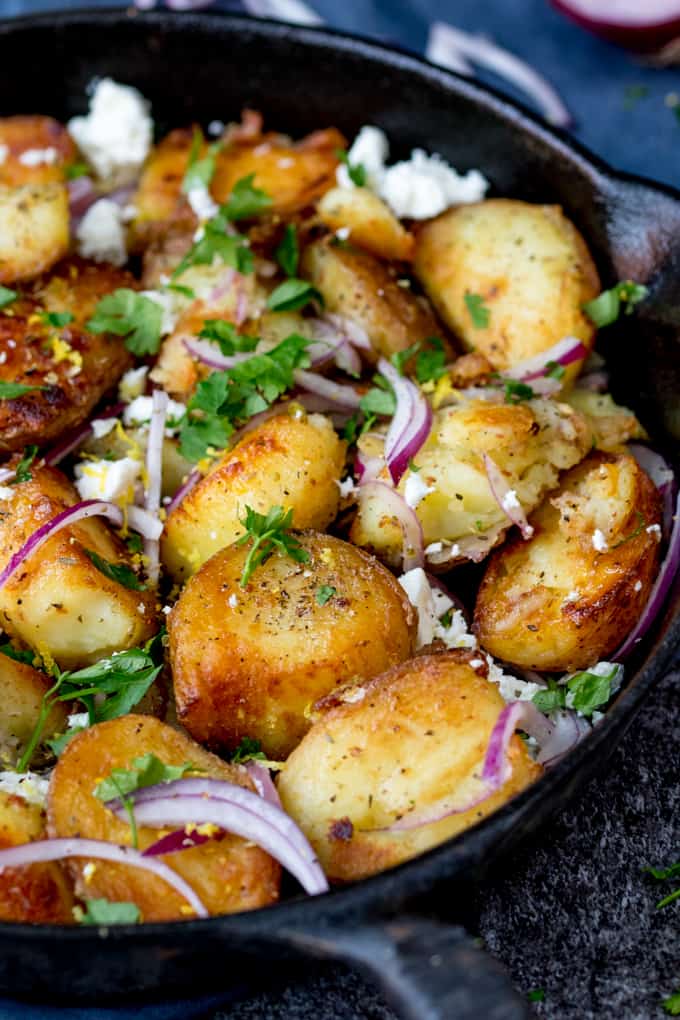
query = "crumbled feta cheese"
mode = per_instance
[
  {"x": 599, "y": 541},
  {"x": 370, "y": 149},
  {"x": 215, "y": 127},
  {"x": 424, "y": 186},
  {"x": 654, "y": 529},
  {"x": 347, "y": 487},
  {"x": 88, "y": 871},
  {"x": 100, "y": 234},
  {"x": 4, "y": 153},
  {"x": 116, "y": 135},
  {"x": 573, "y": 596},
  {"x": 3, "y": 357},
  {"x": 476, "y": 663},
  {"x": 433, "y": 547},
  {"x": 232, "y": 601},
  {"x": 511, "y": 687},
  {"x": 6, "y": 492},
  {"x": 510, "y": 501},
  {"x": 102, "y": 426},
  {"x": 637, "y": 586},
  {"x": 202, "y": 202},
  {"x": 342, "y": 233},
  {"x": 415, "y": 489},
  {"x": 138, "y": 412},
  {"x": 596, "y": 717},
  {"x": 166, "y": 301},
  {"x": 28, "y": 785},
  {"x": 431, "y": 603},
  {"x": 452, "y": 549},
  {"x": 166, "y": 610},
  {"x": 108, "y": 479},
  {"x": 128, "y": 213},
  {"x": 78, "y": 720},
  {"x": 133, "y": 383},
  {"x": 141, "y": 608},
  {"x": 36, "y": 157}
]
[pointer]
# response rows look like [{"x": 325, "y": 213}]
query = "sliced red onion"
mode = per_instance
[
  {"x": 663, "y": 476},
  {"x": 505, "y": 496},
  {"x": 185, "y": 488},
  {"x": 658, "y": 594},
  {"x": 44, "y": 850},
  {"x": 262, "y": 781},
  {"x": 564, "y": 352},
  {"x": 355, "y": 334},
  {"x": 236, "y": 810},
  {"x": 154, "y": 476},
  {"x": 81, "y": 195},
  {"x": 207, "y": 353},
  {"x": 639, "y": 25},
  {"x": 223, "y": 286},
  {"x": 567, "y": 730},
  {"x": 146, "y": 524},
  {"x": 392, "y": 504},
  {"x": 331, "y": 345},
  {"x": 367, "y": 468},
  {"x": 345, "y": 396},
  {"x": 411, "y": 423},
  {"x": 177, "y": 841},
  {"x": 453, "y": 48},
  {"x": 75, "y": 439}
]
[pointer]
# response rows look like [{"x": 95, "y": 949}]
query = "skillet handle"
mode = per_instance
[{"x": 426, "y": 970}]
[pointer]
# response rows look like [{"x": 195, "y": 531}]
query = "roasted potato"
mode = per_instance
[
  {"x": 529, "y": 442},
  {"x": 22, "y": 689},
  {"x": 611, "y": 424},
  {"x": 228, "y": 874},
  {"x": 34, "y": 229},
  {"x": 357, "y": 284},
  {"x": 35, "y": 150},
  {"x": 248, "y": 662},
  {"x": 405, "y": 742},
  {"x": 38, "y": 893},
  {"x": 57, "y": 602},
  {"x": 290, "y": 460},
  {"x": 568, "y": 597},
  {"x": 76, "y": 286},
  {"x": 160, "y": 184},
  {"x": 527, "y": 262},
  {"x": 370, "y": 222}
]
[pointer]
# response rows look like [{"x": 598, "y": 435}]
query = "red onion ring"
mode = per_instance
[
  {"x": 392, "y": 504},
  {"x": 262, "y": 781},
  {"x": 470, "y": 547},
  {"x": 345, "y": 396},
  {"x": 411, "y": 423},
  {"x": 154, "y": 476},
  {"x": 500, "y": 489},
  {"x": 638, "y": 25},
  {"x": 564, "y": 352},
  {"x": 207, "y": 353},
  {"x": 44, "y": 850}
]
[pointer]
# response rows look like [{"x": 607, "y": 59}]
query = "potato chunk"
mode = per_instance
[
  {"x": 35, "y": 149},
  {"x": 38, "y": 893},
  {"x": 529, "y": 442},
  {"x": 402, "y": 742},
  {"x": 357, "y": 284},
  {"x": 22, "y": 689},
  {"x": 34, "y": 229},
  {"x": 612, "y": 424},
  {"x": 57, "y": 602},
  {"x": 287, "y": 461},
  {"x": 371, "y": 223},
  {"x": 228, "y": 874},
  {"x": 568, "y": 597},
  {"x": 248, "y": 662},
  {"x": 527, "y": 262}
]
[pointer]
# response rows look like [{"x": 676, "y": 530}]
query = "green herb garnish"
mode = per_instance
[
  {"x": 23, "y": 468},
  {"x": 479, "y": 313},
  {"x": 288, "y": 252},
  {"x": 551, "y": 699},
  {"x": 245, "y": 201},
  {"x": 18, "y": 654},
  {"x": 200, "y": 171},
  {"x": 554, "y": 370},
  {"x": 121, "y": 573},
  {"x": 589, "y": 690},
  {"x": 292, "y": 295},
  {"x": 606, "y": 309},
  {"x": 672, "y": 1004},
  {"x": 225, "y": 334},
  {"x": 105, "y": 912},
  {"x": 516, "y": 391},
  {"x": 268, "y": 533},
  {"x": 399, "y": 358},
  {"x": 431, "y": 362},
  {"x": 7, "y": 296},
  {"x": 324, "y": 593},
  {"x": 634, "y": 534},
  {"x": 247, "y": 750},
  {"x": 147, "y": 770},
  {"x": 131, "y": 315},
  {"x": 75, "y": 170},
  {"x": 356, "y": 171},
  {"x": 57, "y": 319},
  {"x": 379, "y": 399}
]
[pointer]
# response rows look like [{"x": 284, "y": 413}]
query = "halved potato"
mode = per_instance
[
  {"x": 291, "y": 460},
  {"x": 57, "y": 602},
  {"x": 248, "y": 662},
  {"x": 371, "y": 223},
  {"x": 38, "y": 893},
  {"x": 529, "y": 265},
  {"x": 400, "y": 744},
  {"x": 35, "y": 148},
  {"x": 34, "y": 229},
  {"x": 228, "y": 874},
  {"x": 568, "y": 597},
  {"x": 22, "y": 689}
]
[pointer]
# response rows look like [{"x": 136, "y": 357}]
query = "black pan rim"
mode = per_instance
[{"x": 460, "y": 854}]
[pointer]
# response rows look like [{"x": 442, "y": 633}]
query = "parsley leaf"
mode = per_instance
[
  {"x": 555, "y": 370},
  {"x": 588, "y": 690},
  {"x": 225, "y": 334},
  {"x": 672, "y": 1004},
  {"x": 350, "y": 429},
  {"x": 186, "y": 292},
  {"x": 268, "y": 532},
  {"x": 147, "y": 770},
  {"x": 379, "y": 399},
  {"x": 245, "y": 201},
  {"x": 231, "y": 249},
  {"x": 356, "y": 171},
  {"x": 247, "y": 750},
  {"x": 200, "y": 172},
  {"x": 479, "y": 313},
  {"x": 75, "y": 170},
  {"x": 288, "y": 252},
  {"x": 57, "y": 744},
  {"x": 131, "y": 315},
  {"x": 324, "y": 593},
  {"x": 57, "y": 319},
  {"x": 11, "y": 390},
  {"x": 124, "y": 679},
  {"x": 18, "y": 654},
  {"x": 536, "y": 995},
  {"x": 431, "y": 363},
  {"x": 516, "y": 391},
  {"x": 550, "y": 699},
  {"x": 121, "y": 573},
  {"x": 23, "y": 468},
  {"x": 661, "y": 874},
  {"x": 606, "y": 309},
  {"x": 105, "y": 912},
  {"x": 292, "y": 295},
  {"x": 7, "y": 296},
  {"x": 399, "y": 358}
]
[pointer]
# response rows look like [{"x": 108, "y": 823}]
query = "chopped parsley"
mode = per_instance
[
  {"x": 554, "y": 370},
  {"x": 7, "y": 296},
  {"x": 247, "y": 750},
  {"x": 200, "y": 171},
  {"x": 18, "y": 654},
  {"x": 245, "y": 201},
  {"x": 399, "y": 358},
  {"x": 179, "y": 288},
  {"x": 121, "y": 573},
  {"x": 292, "y": 295},
  {"x": 11, "y": 390},
  {"x": 550, "y": 699},
  {"x": 214, "y": 242},
  {"x": 324, "y": 593},
  {"x": 57, "y": 319},
  {"x": 356, "y": 171},
  {"x": 288, "y": 252},
  {"x": 516, "y": 391},
  {"x": 147, "y": 770},
  {"x": 23, "y": 468},
  {"x": 105, "y": 912},
  {"x": 606, "y": 309},
  {"x": 268, "y": 532},
  {"x": 479, "y": 313},
  {"x": 379, "y": 399},
  {"x": 226, "y": 335},
  {"x": 131, "y": 315},
  {"x": 584, "y": 692},
  {"x": 75, "y": 170},
  {"x": 536, "y": 995},
  {"x": 57, "y": 744},
  {"x": 431, "y": 362},
  {"x": 672, "y": 1004}
]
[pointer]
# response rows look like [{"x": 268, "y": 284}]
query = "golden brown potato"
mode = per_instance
[
  {"x": 527, "y": 262},
  {"x": 568, "y": 597},
  {"x": 34, "y": 229},
  {"x": 415, "y": 738},
  {"x": 57, "y": 602},
  {"x": 290, "y": 460},
  {"x": 228, "y": 874},
  {"x": 371, "y": 223},
  {"x": 36, "y": 150},
  {"x": 248, "y": 662},
  {"x": 160, "y": 182},
  {"x": 39, "y": 893},
  {"x": 22, "y": 689},
  {"x": 356, "y": 284},
  {"x": 76, "y": 286},
  {"x": 612, "y": 425},
  {"x": 530, "y": 443}
]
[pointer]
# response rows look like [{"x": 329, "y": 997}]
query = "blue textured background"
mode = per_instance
[{"x": 588, "y": 968}]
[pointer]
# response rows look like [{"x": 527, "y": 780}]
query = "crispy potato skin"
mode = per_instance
[
  {"x": 229, "y": 874},
  {"x": 287, "y": 461},
  {"x": 261, "y": 655},
  {"x": 523, "y": 613},
  {"x": 39, "y": 893},
  {"x": 418, "y": 735},
  {"x": 372, "y": 224},
  {"x": 530, "y": 265},
  {"x": 21, "y": 133},
  {"x": 357, "y": 284},
  {"x": 57, "y": 601},
  {"x": 22, "y": 689},
  {"x": 34, "y": 229}
]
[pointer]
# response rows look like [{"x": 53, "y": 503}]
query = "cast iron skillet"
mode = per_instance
[{"x": 206, "y": 66}]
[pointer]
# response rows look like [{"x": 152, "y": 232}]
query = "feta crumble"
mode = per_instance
[
  {"x": 511, "y": 688},
  {"x": 102, "y": 426},
  {"x": 637, "y": 586},
  {"x": 415, "y": 489},
  {"x": 510, "y": 501},
  {"x": 108, "y": 479},
  {"x": 100, "y": 234},
  {"x": 432, "y": 603},
  {"x": 79, "y": 720},
  {"x": 138, "y": 412},
  {"x": 166, "y": 302},
  {"x": 370, "y": 148},
  {"x": 347, "y": 487},
  {"x": 202, "y": 203},
  {"x": 36, "y": 157},
  {"x": 573, "y": 596},
  {"x": 654, "y": 529},
  {"x": 116, "y": 135},
  {"x": 28, "y": 785},
  {"x": 133, "y": 383},
  {"x": 6, "y": 492},
  {"x": 342, "y": 233},
  {"x": 215, "y": 127},
  {"x": 232, "y": 601},
  {"x": 599, "y": 541}
]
